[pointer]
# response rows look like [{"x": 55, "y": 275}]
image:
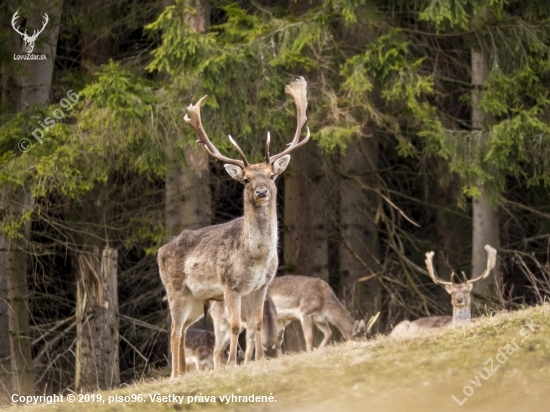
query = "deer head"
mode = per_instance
[
  {"x": 273, "y": 349},
  {"x": 259, "y": 179},
  {"x": 29, "y": 40},
  {"x": 460, "y": 292},
  {"x": 362, "y": 330},
  {"x": 359, "y": 329}
]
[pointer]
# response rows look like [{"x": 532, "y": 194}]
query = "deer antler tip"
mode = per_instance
[
  {"x": 187, "y": 119},
  {"x": 296, "y": 86},
  {"x": 198, "y": 104},
  {"x": 489, "y": 248}
]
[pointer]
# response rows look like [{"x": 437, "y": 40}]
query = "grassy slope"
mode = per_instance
[{"x": 380, "y": 375}]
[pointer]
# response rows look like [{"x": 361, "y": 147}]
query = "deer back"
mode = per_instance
[
  {"x": 296, "y": 295},
  {"x": 432, "y": 322}
]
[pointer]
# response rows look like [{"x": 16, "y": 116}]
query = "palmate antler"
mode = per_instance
[
  {"x": 491, "y": 262},
  {"x": 193, "y": 117},
  {"x": 298, "y": 91}
]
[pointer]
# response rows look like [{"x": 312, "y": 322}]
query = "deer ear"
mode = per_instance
[
  {"x": 359, "y": 327},
  {"x": 470, "y": 287},
  {"x": 449, "y": 289},
  {"x": 234, "y": 171},
  {"x": 280, "y": 165}
]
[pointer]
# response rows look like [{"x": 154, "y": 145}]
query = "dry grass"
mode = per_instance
[{"x": 378, "y": 375}]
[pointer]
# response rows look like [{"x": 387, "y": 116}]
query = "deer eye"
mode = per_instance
[
  {"x": 272, "y": 177},
  {"x": 245, "y": 180}
]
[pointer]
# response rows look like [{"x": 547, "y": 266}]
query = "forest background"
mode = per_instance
[{"x": 429, "y": 125}]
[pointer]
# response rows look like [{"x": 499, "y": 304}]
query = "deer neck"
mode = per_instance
[
  {"x": 340, "y": 318},
  {"x": 461, "y": 315},
  {"x": 260, "y": 227}
]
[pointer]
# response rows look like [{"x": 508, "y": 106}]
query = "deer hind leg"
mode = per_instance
[
  {"x": 221, "y": 331},
  {"x": 257, "y": 299},
  {"x": 233, "y": 305},
  {"x": 175, "y": 342},
  {"x": 250, "y": 342},
  {"x": 181, "y": 320},
  {"x": 327, "y": 332},
  {"x": 307, "y": 326}
]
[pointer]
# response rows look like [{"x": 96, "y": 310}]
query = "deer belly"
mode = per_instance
[
  {"x": 206, "y": 291},
  {"x": 288, "y": 307},
  {"x": 202, "y": 279},
  {"x": 288, "y": 314}
]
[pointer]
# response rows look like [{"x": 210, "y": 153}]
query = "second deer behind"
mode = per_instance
[{"x": 312, "y": 301}]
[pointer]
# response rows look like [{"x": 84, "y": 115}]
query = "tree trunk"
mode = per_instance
[
  {"x": 486, "y": 231},
  {"x": 305, "y": 226},
  {"x": 359, "y": 250},
  {"x": 188, "y": 192},
  {"x": 96, "y": 45},
  {"x": 485, "y": 216},
  {"x": 5, "y": 352},
  {"x": 33, "y": 88},
  {"x": 453, "y": 232},
  {"x": 97, "y": 364},
  {"x": 36, "y": 82},
  {"x": 14, "y": 280}
]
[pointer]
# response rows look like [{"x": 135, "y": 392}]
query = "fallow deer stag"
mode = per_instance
[
  {"x": 460, "y": 299},
  {"x": 312, "y": 301},
  {"x": 237, "y": 258}
]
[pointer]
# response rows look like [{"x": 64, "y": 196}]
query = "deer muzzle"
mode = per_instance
[{"x": 261, "y": 193}]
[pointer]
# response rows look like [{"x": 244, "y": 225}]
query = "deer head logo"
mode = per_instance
[{"x": 29, "y": 40}]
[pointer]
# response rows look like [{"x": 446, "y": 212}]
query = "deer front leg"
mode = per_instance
[
  {"x": 233, "y": 305},
  {"x": 257, "y": 299},
  {"x": 307, "y": 326},
  {"x": 325, "y": 328}
]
